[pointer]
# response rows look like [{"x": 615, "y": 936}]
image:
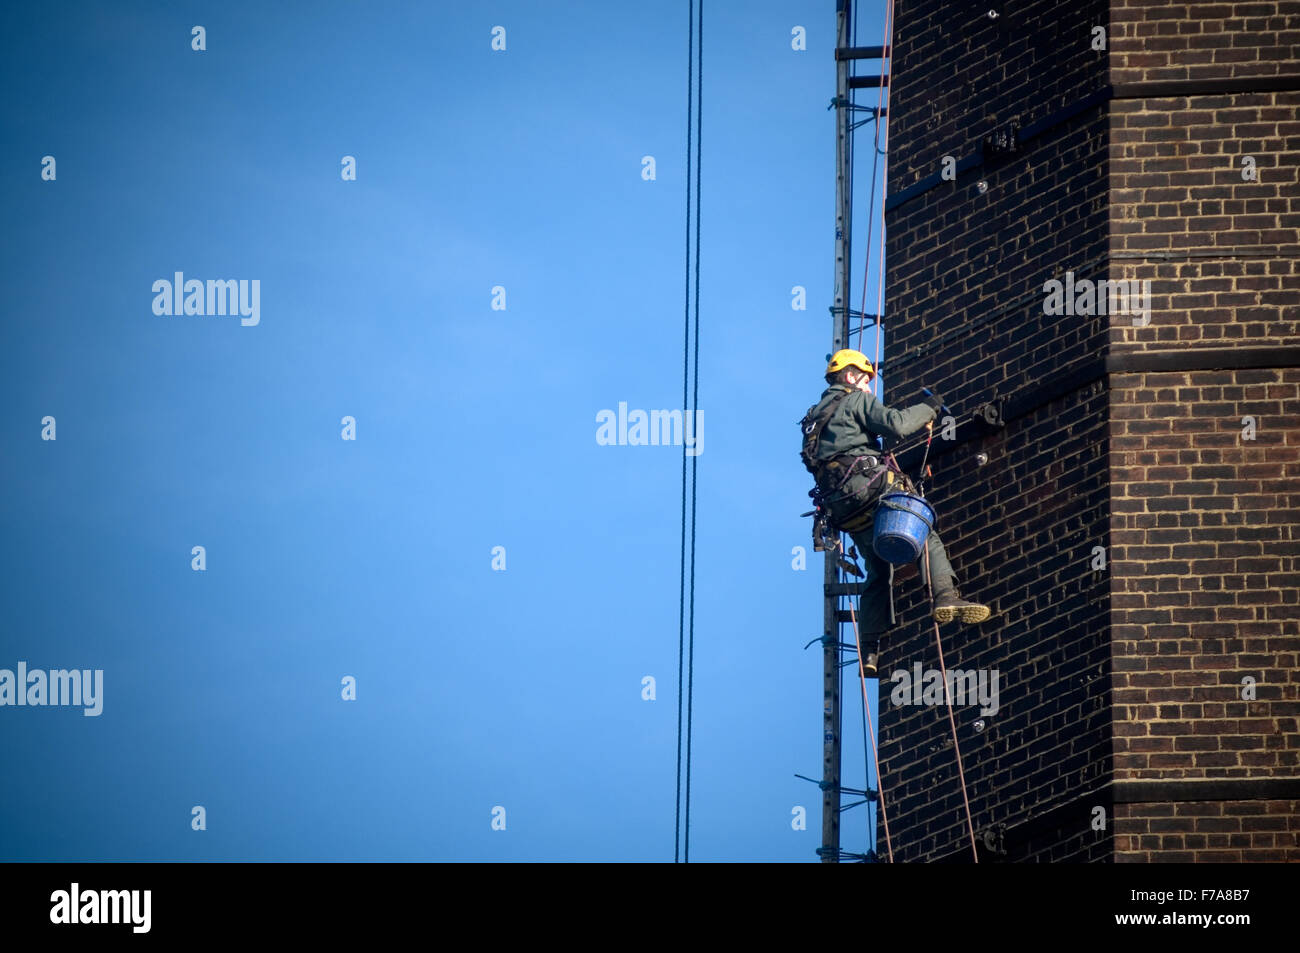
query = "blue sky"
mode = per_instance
[{"x": 475, "y": 428}]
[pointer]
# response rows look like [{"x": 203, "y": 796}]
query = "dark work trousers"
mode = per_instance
[{"x": 873, "y": 606}]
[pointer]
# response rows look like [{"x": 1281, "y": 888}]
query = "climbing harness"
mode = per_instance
[{"x": 846, "y": 486}]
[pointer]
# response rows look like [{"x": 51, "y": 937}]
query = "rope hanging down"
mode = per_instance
[
  {"x": 952, "y": 721},
  {"x": 691, "y": 388},
  {"x": 871, "y": 734},
  {"x": 943, "y": 669}
]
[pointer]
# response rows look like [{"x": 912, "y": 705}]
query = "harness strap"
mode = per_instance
[{"x": 812, "y": 433}]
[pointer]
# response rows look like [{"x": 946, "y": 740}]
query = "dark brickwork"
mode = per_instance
[
  {"x": 1021, "y": 529},
  {"x": 1214, "y": 831},
  {"x": 1232, "y": 273},
  {"x": 1130, "y": 673},
  {"x": 1205, "y": 576}
]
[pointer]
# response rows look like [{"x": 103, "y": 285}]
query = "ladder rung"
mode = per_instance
[
  {"x": 844, "y": 588},
  {"x": 861, "y": 52}
]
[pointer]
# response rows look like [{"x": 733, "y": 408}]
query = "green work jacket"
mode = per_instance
[{"x": 860, "y": 418}]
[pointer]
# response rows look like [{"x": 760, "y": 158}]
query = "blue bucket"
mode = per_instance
[{"x": 903, "y": 522}]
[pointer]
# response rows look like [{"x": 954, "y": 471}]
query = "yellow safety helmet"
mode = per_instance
[{"x": 850, "y": 358}]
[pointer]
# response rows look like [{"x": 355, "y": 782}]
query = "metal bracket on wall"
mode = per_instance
[
  {"x": 993, "y": 840},
  {"x": 991, "y": 413},
  {"x": 1002, "y": 141}
]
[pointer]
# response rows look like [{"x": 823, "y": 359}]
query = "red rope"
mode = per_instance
[
  {"x": 970, "y": 825},
  {"x": 871, "y": 733}
]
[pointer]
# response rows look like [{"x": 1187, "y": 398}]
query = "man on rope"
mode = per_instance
[{"x": 840, "y": 450}]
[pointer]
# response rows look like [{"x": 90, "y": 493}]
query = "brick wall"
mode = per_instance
[
  {"x": 1176, "y": 163},
  {"x": 1205, "y": 580},
  {"x": 1222, "y": 253},
  {"x": 1019, "y": 531},
  {"x": 1114, "y": 679},
  {"x": 955, "y": 254},
  {"x": 1169, "y": 39},
  {"x": 1205, "y": 523},
  {"x": 965, "y": 269},
  {"x": 1253, "y": 831}
]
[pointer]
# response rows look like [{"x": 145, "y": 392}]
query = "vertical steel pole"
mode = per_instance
[{"x": 832, "y": 718}]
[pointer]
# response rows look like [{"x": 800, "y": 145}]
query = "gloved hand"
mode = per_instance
[{"x": 934, "y": 401}]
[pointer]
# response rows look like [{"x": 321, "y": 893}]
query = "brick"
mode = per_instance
[{"x": 1133, "y": 672}]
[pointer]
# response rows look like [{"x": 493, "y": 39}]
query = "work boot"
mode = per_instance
[{"x": 949, "y": 605}]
